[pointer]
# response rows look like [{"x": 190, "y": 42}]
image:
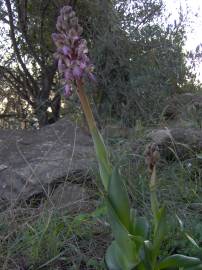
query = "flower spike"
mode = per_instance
[{"x": 73, "y": 61}]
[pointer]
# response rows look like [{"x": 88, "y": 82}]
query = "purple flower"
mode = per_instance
[
  {"x": 61, "y": 66},
  {"x": 72, "y": 50},
  {"x": 68, "y": 75},
  {"x": 66, "y": 50},
  {"x": 77, "y": 72},
  {"x": 83, "y": 65},
  {"x": 68, "y": 90}
]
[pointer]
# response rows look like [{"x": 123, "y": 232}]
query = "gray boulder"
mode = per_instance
[
  {"x": 184, "y": 110},
  {"x": 31, "y": 160},
  {"x": 179, "y": 143}
]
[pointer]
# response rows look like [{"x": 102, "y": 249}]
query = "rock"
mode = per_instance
[
  {"x": 70, "y": 198},
  {"x": 184, "y": 110},
  {"x": 195, "y": 207},
  {"x": 116, "y": 131},
  {"x": 30, "y": 160},
  {"x": 181, "y": 143}
]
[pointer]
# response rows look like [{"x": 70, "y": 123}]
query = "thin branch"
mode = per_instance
[
  {"x": 15, "y": 46},
  {"x": 17, "y": 88},
  {"x": 26, "y": 37},
  {"x": 17, "y": 79}
]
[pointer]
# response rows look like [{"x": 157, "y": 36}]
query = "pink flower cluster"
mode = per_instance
[{"x": 72, "y": 50}]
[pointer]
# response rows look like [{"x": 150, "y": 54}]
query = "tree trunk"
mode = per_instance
[
  {"x": 43, "y": 102},
  {"x": 55, "y": 106},
  {"x": 41, "y": 112}
]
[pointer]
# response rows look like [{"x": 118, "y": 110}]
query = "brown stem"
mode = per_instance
[{"x": 85, "y": 105}]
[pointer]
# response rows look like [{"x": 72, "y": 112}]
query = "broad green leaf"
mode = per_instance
[
  {"x": 178, "y": 260},
  {"x": 141, "y": 227},
  {"x": 104, "y": 173},
  {"x": 111, "y": 258},
  {"x": 102, "y": 156},
  {"x": 122, "y": 236},
  {"x": 100, "y": 146},
  {"x": 119, "y": 198},
  {"x": 115, "y": 258}
]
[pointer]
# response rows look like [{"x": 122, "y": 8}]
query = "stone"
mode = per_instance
[
  {"x": 183, "y": 110},
  {"x": 70, "y": 198},
  {"x": 179, "y": 143},
  {"x": 31, "y": 160}
]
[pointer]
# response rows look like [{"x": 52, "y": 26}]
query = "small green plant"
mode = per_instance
[
  {"x": 41, "y": 241},
  {"x": 137, "y": 244},
  {"x": 53, "y": 239}
]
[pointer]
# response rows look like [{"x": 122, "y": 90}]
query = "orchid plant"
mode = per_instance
[{"x": 131, "y": 248}]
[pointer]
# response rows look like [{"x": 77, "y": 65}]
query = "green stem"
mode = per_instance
[
  {"x": 155, "y": 210},
  {"x": 154, "y": 200},
  {"x": 100, "y": 149}
]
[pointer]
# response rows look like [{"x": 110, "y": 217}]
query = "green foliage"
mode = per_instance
[
  {"x": 119, "y": 198},
  {"x": 139, "y": 58},
  {"x": 103, "y": 159},
  {"x": 51, "y": 240},
  {"x": 140, "y": 61},
  {"x": 133, "y": 247},
  {"x": 42, "y": 241},
  {"x": 178, "y": 261}
]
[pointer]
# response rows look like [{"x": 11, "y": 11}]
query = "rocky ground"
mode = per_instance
[{"x": 48, "y": 179}]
